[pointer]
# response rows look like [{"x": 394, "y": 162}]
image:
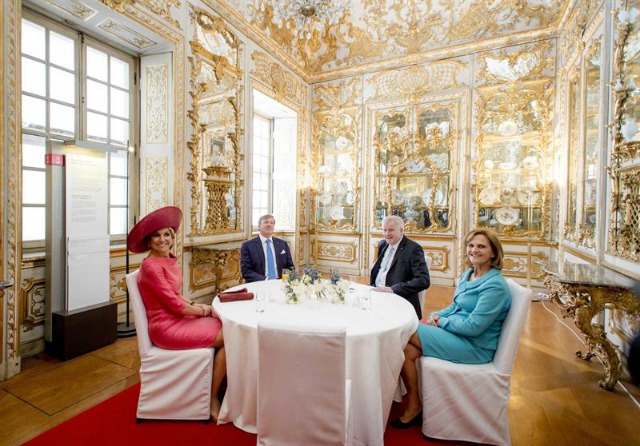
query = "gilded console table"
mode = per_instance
[
  {"x": 214, "y": 266},
  {"x": 583, "y": 291}
]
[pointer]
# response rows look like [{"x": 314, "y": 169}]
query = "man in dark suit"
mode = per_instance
[
  {"x": 400, "y": 267},
  {"x": 255, "y": 254}
]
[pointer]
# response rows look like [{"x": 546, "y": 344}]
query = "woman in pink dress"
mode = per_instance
[{"x": 175, "y": 323}]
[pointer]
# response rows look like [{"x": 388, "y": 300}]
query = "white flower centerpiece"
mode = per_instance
[{"x": 308, "y": 285}]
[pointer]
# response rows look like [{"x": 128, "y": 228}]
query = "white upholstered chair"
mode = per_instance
[
  {"x": 421, "y": 296},
  {"x": 174, "y": 384},
  {"x": 468, "y": 402},
  {"x": 303, "y": 395},
  {"x": 423, "y": 293}
]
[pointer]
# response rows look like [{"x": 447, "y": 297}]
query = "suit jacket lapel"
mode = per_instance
[
  {"x": 401, "y": 246},
  {"x": 261, "y": 265},
  {"x": 382, "y": 248}
]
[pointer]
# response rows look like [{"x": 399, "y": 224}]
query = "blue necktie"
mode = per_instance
[{"x": 271, "y": 263}]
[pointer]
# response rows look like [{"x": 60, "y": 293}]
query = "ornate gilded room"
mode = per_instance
[{"x": 519, "y": 116}]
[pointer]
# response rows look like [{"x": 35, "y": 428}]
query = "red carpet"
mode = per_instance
[{"x": 113, "y": 422}]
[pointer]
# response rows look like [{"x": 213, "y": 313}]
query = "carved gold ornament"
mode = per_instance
[
  {"x": 159, "y": 7},
  {"x": 512, "y": 187},
  {"x": 216, "y": 91},
  {"x": 413, "y": 150},
  {"x": 373, "y": 31},
  {"x": 219, "y": 268},
  {"x": 336, "y": 128},
  {"x": 33, "y": 303},
  {"x": 582, "y": 301},
  {"x": 284, "y": 85},
  {"x": 624, "y": 167}
]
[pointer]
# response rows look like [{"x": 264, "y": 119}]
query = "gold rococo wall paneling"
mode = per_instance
[
  {"x": 513, "y": 151},
  {"x": 337, "y": 156},
  {"x": 11, "y": 249},
  {"x": 584, "y": 78},
  {"x": 417, "y": 126},
  {"x": 215, "y": 173},
  {"x": 215, "y": 206},
  {"x": 623, "y": 240}
]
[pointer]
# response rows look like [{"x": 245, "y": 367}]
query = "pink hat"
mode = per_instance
[{"x": 166, "y": 217}]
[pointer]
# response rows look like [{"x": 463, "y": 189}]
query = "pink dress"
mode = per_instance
[{"x": 159, "y": 281}]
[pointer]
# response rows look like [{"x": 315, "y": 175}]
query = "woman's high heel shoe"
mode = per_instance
[{"x": 399, "y": 424}]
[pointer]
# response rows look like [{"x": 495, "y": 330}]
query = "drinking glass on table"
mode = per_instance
[
  {"x": 261, "y": 304},
  {"x": 365, "y": 300}
]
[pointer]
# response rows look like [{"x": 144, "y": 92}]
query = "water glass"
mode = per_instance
[
  {"x": 261, "y": 303},
  {"x": 365, "y": 300}
]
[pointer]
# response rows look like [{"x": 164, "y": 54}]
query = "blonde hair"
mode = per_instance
[
  {"x": 265, "y": 217},
  {"x": 497, "y": 261}
]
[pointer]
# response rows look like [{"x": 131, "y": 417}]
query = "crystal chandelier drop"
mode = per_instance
[{"x": 306, "y": 16}]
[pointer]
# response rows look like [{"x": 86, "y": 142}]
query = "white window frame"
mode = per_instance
[
  {"x": 261, "y": 170},
  {"x": 81, "y": 43}
]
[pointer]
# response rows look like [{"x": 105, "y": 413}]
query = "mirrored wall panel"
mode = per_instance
[{"x": 413, "y": 150}]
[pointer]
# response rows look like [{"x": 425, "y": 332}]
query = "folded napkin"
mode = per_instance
[{"x": 232, "y": 296}]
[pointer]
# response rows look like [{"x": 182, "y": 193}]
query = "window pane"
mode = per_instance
[
  {"x": 117, "y": 191},
  {"x": 119, "y": 103},
  {"x": 118, "y": 163},
  {"x": 34, "y": 190},
  {"x": 118, "y": 221},
  {"x": 97, "y": 98},
  {"x": 97, "y": 64},
  {"x": 62, "y": 85},
  {"x": 33, "y": 223},
  {"x": 34, "y": 77},
  {"x": 62, "y": 119},
  {"x": 33, "y": 39},
  {"x": 97, "y": 127},
  {"x": 119, "y": 132},
  {"x": 34, "y": 114},
  {"x": 62, "y": 51},
  {"x": 119, "y": 73},
  {"x": 263, "y": 198},
  {"x": 33, "y": 150}
]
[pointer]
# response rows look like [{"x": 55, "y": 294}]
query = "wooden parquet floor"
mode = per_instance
[{"x": 555, "y": 397}]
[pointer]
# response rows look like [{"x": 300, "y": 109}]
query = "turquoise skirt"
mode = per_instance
[{"x": 442, "y": 344}]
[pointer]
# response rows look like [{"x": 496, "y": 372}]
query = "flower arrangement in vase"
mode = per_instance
[{"x": 307, "y": 284}]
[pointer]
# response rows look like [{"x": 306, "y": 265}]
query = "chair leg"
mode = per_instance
[
  {"x": 138, "y": 420},
  {"x": 208, "y": 420}
]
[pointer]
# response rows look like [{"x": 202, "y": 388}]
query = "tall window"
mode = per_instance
[
  {"x": 72, "y": 88},
  {"x": 261, "y": 167},
  {"x": 274, "y": 161}
]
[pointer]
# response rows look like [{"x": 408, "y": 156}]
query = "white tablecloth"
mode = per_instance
[{"x": 375, "y": 339}]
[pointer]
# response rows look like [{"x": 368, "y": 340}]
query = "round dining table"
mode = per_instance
[{"x": 376, "y": 334}]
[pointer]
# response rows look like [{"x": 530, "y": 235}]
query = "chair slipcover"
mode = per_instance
[
  {"x": 303, "y": 396},
  {"x": 468, "y": 402},
  {"x": 174, "y": 384}
]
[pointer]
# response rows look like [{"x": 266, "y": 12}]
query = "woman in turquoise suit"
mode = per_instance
[{"x": 467, "y": 331}]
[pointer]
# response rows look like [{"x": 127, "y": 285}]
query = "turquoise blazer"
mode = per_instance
[{"x": 478, "y": 309}]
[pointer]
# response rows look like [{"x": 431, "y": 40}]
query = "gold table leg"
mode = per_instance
[{"x": 582, "y": 303}]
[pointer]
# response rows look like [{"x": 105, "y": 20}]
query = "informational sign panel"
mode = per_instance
[
  {"x": 87, "y": 184},
  {"x": 86, "y": 195}
]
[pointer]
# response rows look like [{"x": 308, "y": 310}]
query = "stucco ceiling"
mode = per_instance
[
  {"x": 402, "y": 31},
  {"x": 373, "y": 34}
]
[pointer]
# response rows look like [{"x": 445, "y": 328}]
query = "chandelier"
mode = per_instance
[{"x": 306, "y": 16}]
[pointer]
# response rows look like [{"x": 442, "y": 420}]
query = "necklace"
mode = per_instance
[{"x": 475, "y": 276}]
